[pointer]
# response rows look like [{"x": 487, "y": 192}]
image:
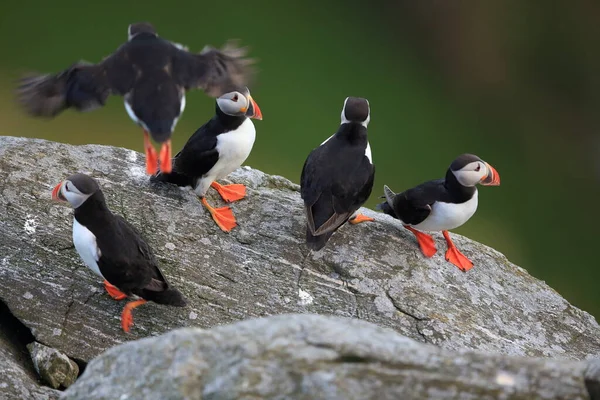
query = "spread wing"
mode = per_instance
[
  {"x": 214, "y": 71},
  {"x": 83, "y": 86}
]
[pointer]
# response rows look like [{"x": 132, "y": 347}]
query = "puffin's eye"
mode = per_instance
[
  {"x": 67, "y": 187},
  {"x": 478, "y": 168},
  {"x": 235, "y": 98}
]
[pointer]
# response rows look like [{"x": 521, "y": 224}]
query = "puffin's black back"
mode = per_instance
[
  {"x": 336, "y": 180},
  {"x": 126, "y": 260}
]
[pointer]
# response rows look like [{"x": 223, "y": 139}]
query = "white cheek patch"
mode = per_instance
[
  {"x": 467, "y": 178},
  {"x": 75, "y": 199}
]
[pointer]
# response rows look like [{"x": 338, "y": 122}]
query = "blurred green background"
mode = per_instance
[{"x": 515, "y": 82}]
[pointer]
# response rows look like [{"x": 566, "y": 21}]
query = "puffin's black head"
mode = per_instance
[
  {"x": 470, "y": 170},
  {"x": 76, "y": 189},
  {"x": 140, "y": 27},
  {"x": 239, "y": 103},
  {"x": 356, "y": 109}
]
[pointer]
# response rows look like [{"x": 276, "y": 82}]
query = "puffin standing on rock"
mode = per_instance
[
  {"x": 442, "y": 204},
  {"x": 337, "y": 177},
  {"x": 152, "y": 73},
  {"x": 214, "y": 151},
  {"x": 114, "y": 249}
]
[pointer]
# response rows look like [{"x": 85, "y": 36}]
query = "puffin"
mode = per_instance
[
  {"x": 442, "y": 204},
  {"x": 151, "y": 73},
  {"x": 337, "y": 177},
  {"x": 113, "y": 249},
  {"x": 214, "y": 151}
]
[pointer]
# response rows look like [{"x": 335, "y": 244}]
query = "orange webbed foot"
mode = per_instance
[
  {"x": 454, "y": 256},
  {"x": 165, "y": 157},
  {"x": 222, "y": 216},
  {"x": 360, "y": 218},
  {"x": 151, "y": 156},
  {"x": 426, "y": 242},
  {"x": 113, "y": 291},
  {"x": 127, "y": 317},
  {"x": 230, "y": 193}
]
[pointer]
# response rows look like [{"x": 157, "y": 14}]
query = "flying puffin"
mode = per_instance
[
  {"x": 337, "y": 177},
  {"x": 151, "y": 73},
  {"x": 214, "y": 151},
  {"x": 113, "y": 249},
  {"x": 442, "y": 204}
]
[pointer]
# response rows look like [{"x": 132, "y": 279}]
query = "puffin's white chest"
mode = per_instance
[
  {"x": 233, "y": 147},
  {"x": 447, "y": 216},
  {"x": 85, "y": 244}
]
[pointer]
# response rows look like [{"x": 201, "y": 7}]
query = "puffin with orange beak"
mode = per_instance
[
  {"x": 442, "y": 204},
  {"x": 113, "y": 249},
  {"x": 215, "y": 150}
]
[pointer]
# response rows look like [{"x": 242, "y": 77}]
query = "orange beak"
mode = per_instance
[
  {"x": 254, "y": 110},
  {"x": 57, "y": 194},
  {"x": 492, "y": 178}
]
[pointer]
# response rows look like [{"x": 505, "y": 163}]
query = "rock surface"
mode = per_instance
[
  {"x": 55, "y": 368},
  {"x": 316, "y": 357},
  {"x": 18, "y": 379},
  {"x": 372, "y": 271}
]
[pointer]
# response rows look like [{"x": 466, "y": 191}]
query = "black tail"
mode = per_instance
[
  {"x": 170, "y": 297},
  {"x": 174, "y": 177},
  {"x": 316, "y": 243},
  {"x": 386, "y": 208}
]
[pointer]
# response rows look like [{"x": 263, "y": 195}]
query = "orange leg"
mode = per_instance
[
  {"x": 455, "y": 256},
  {"x": 165, "y": 157},
  {"x": 360, "y": 218},
  {"x": 223, "y": 216},
  {"x": 151, "y": 157},
  {"x": 230, "y": 193},
  {"x": 426, "y": 242},
  {"x": 126, "y": 317},
  {"x": 113, "y": 291}
]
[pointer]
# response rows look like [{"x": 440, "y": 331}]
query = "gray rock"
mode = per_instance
[
  {"x": 371, "y": 271},
  {"x": 316, "y": 357},
  {"x": 55, "y": 368}
]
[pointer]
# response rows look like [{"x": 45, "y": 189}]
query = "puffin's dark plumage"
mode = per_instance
[
  {"x": 215, "y": 150},
  {"x": 442, "y": 204},
  {"x": 337, "y": 177},
  {"x": 113, "y": 248},
  {"x": 151, "y": 73}
]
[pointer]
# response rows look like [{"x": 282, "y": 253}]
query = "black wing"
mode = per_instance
[
  {"x": 331, "y": 197},
  {"x": 83, "y": 86},
  {"x": 133, "y": 268},
  {"x": 414, "y": 205},
  {"x": 130, "y": 265},
  {"x": 195, "y": 159},
  {"x": 214, "y": 71}
]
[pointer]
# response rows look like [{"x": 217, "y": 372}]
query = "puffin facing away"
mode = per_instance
[
  {"x": 337, "y": 177},
  {"x": 442, "y": 204},
  {"x": 214, "y": 151},
  {"x": 152, "y": 73},
  {"x": 114, "y": 249}
]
